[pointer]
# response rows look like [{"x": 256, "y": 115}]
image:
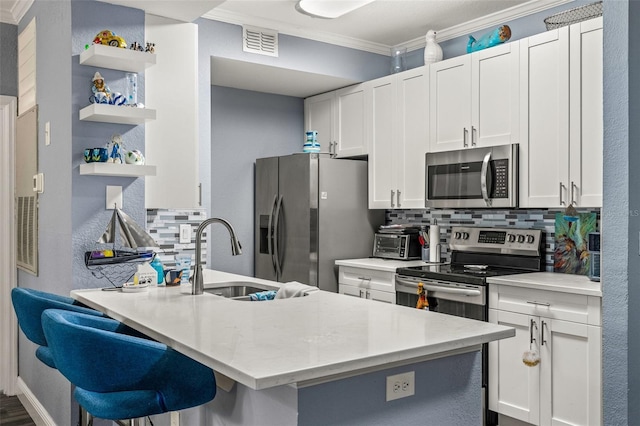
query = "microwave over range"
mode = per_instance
[{"x": 473, "y": 178}]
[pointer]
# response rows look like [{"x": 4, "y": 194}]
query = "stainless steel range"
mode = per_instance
[{"x": 460, "y": 288}]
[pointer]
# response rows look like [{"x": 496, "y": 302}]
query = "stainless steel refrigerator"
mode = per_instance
[{"x": 310, "y": 210}]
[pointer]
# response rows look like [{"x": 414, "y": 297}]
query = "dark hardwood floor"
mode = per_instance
[{"x": 12, "y": 413}]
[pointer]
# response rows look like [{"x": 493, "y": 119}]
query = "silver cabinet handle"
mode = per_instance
[
  {"x": 200, "y": 194},
  {"x": 561, "y": 188},
  {"x": 464, "y": 137},
  {"x": 573, "y": 187},
  {"x": 368, "y": 295},
  {"x": 360, "y": 291},
  {"x": 533, "y": 302},
  {"x": 542, "y": 341},
  {"x": 531, "y": 325},
  {"x": 485, "y": 178},
  {"x": 474, "y": 136},
  {"x": 364, "y": 278},
  {"x": 275, "y": 239},
  {"x": 399, "y": 205},
  {"x": 270, "y": 236},
  {"x": 393, "y": 193}
]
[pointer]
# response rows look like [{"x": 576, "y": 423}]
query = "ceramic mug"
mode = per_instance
[{"x": 172, "y": 277}]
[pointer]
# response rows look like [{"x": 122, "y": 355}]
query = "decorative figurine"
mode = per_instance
[
  {"x": 102, "y": 94},
  {"x": 423, "y": 303},
  {"x": 432, "y": 50},
  {"x": 134, "y": 157},
  {"x": 497, "y": 36},
  {"x": 110, "y": 39},
  {"x": 136, "y": 46},
  {"x": 151, "y": 48},
  {"x": 115, "y": 148}
]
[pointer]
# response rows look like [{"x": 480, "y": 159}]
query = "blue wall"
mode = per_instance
[
  {"x": 225, "y": 40},
  {"x": 245, "y": 125},
  {"x": 9, "y": 61}
]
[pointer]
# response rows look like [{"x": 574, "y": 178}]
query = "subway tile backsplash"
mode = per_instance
[
  {"x": 164, "y": 226},
  {"x": 529, "y": 219}
]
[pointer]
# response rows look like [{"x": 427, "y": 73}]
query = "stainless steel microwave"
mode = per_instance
[{"x": 473, "y": 178}]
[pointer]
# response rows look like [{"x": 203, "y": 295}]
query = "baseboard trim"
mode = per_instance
[{"x": 36, "y": 410}]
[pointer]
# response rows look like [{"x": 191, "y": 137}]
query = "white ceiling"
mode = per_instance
[{"x": 376, "y": 28}]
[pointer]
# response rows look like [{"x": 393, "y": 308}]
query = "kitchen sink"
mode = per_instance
[{"x": 237, "y": 290}]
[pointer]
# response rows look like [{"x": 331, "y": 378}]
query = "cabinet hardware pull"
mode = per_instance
[
  {"x": 561, "y": 200},
  {"x": 200, "y": 195},
  {"x": 393, "y": 193},
  {"x": 542, "y": 341},
  {"x": 399, "y": 205},
  {"x": 573, "y": 187},
  {"x": 464, "y": 137},
  {"x": 531, "y": 325},
  {"x": 360, "y": 293},
  {"x": 533, "y": 302},
  {"x": 368, "y": 294},
  {"x": 365, "y": 278},
  {"x": 474, "y": 136}
]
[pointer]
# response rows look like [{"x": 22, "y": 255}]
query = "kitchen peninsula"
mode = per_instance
[{"x": 319, "y": 359}]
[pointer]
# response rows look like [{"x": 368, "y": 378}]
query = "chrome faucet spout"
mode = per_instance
[{"x": 236, "y": 249}]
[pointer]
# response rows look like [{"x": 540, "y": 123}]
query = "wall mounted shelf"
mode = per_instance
[
  {"x": 115, "y": 58},
  {"x": 105, "y": 113},
  {"x": 113, "y": 169}
]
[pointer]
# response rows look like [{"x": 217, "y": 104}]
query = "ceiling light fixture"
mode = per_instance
[{"x": 329, "y": 9}]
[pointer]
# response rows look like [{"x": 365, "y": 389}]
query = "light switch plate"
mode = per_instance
[
  {"x": 114, "y": 197},
  {"x": 185, "y": 234},
  {"x": 47, "y": 133}
]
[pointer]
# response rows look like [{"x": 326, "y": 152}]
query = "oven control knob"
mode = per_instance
[
  {"x": 458, "y": 235},
  {"x": 511, "y": 237},
  {"x": 465, "y": 235},
  {"x": 530, "y": 239},
  {"x": 521, "y": 238}
]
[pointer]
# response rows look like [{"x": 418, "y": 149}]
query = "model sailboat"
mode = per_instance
[{"x": 132, "y": 236}]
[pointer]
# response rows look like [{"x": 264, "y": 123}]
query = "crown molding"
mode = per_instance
[
  {"x": 465, "y": 28},
  {"x": 284, "y": 28},
  {"x": 11, "y": 12}
]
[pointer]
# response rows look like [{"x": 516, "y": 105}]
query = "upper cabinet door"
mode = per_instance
[
  {"x": 320, "y": 115},
  {"x": 381, "y": 98},
  {"x": 544, "y": 126},
  {"x": 495, "y": 85},
  {"x": 351, "y": 131},
  {"x": 586, "y": 113},
  {"x": 450, "y": 104}
]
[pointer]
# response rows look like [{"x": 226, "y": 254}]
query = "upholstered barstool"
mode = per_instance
[
  {"x": 29, "y": 305},
  {"x": 117, "y": 376}
]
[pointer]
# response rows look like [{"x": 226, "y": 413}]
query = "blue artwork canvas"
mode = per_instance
[{"x": 572, "y": 233}]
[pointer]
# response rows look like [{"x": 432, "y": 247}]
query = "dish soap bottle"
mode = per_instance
[{"x": 157, "y": 265}]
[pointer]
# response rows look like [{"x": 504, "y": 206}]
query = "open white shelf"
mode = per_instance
[
  {"x": 116, "y": 58},
  {"x": 106, "y": 113},
  {"x": 113, "y": 169}
]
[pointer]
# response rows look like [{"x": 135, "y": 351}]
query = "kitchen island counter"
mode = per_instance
[{"x": 304, "y": 342}]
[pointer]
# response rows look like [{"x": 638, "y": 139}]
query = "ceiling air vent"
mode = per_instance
[{"x": 260, "y": 40}]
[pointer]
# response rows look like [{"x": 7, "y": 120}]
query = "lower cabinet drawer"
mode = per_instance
[
  {"x": 367, "y": 278},
  {"x": 550, "y": 304}
]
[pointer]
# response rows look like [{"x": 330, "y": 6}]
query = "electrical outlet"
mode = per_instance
[
  {"x": 401, "y": 385},
  {"x": 185, "y": 234}
]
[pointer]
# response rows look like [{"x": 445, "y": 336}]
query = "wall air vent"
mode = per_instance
[
  {"x": 260, "y": 40},
  {"x": 27, "y": 238}
]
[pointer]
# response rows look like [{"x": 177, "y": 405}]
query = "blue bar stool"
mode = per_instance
[
  {"x": 117, "y": 376},
  {"x": 29, "y": 305}
]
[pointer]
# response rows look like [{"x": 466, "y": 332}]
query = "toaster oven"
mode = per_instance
[{"x": 401, "y": 246}]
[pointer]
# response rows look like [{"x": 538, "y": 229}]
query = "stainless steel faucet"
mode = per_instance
[{"x": 236, "y": 249}]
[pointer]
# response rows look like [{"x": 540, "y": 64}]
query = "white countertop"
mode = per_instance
[
  {"x": 552, "y": 281},
  {"x": 306, "y": 339},
  {"x": 378, "y": 264}
]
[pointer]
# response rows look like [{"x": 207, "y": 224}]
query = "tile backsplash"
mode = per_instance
[
  {"x": 164, "y": 227},
  {"x": 528, "y": 219}
]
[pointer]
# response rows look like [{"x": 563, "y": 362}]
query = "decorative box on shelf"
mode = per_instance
[
  {"x": 106, "y": 113},
  {"x": 113, "y": 169},
  {"x": 103, "y": 56}
]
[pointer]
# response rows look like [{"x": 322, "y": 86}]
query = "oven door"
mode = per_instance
[
  {"x": 462, "y": 300},
  {"x": 477, "y": 177}
]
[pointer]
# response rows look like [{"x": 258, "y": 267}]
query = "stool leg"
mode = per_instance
[{"x": 84, "y": 417}]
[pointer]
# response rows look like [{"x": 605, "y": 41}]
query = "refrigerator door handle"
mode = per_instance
[
  {"x": 270, "y": 241},
  {"x": 276, "y": 254}
]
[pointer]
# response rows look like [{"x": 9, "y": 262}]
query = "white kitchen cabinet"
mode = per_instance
[
  {"x": 320, "y": 115},
  {"x": 398, "y": 109},
  {"x": 565, "y": 387},
  {"x": 171, "y": 142},
  {"x": 561, "y": 104},
  {"x": 474, "y": 99},
  {"x": 367, "y": 283},
  {"x": 339, "y": 119}
]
